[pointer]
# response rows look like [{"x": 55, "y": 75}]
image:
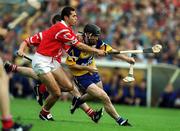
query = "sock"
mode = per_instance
[
  {"x": 80, "y": 101},
  {"x": 119, "y": 120},
  {"x": 44, "y": 112},
  {"x": 7, "y": 122},
  {"x": 42, "y": 88},
  {"x": 90, "y": 112},
  {"x": 13, "y": 68}
]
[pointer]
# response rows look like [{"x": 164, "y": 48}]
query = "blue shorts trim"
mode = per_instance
[{"x": 84, "y": 81}]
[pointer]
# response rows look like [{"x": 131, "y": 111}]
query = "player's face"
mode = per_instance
[
  {"x": 72, "y": 20},
  {"x": 93, "y": 40}
]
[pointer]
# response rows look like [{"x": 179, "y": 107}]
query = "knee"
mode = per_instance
[
  {"x": 56, "y": 94},
  {"x": 70, "y": 87},
  {"x": 105, "y": 97}
]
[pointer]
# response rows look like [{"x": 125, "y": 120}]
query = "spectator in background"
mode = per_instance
[
  {"x": 140, "y": 94},
  {"x": 128, "y": 94},
  {"x": 114, "y": 86},
  {"x": 148, "y": 21},
  {"x": 140, "y": 24},
  {"x": 177, "y": 99},
  {"x": 167, "y": 97}
]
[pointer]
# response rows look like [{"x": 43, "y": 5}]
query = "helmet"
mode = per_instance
[{"x": 91, "y": 28}]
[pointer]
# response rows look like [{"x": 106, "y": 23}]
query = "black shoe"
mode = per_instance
[
  {"x": 123, "y": 122},
  {"x": 46, "y": 117},
  {"x": 19, "y": 127},
  {"x": 76, "y": 102},
  {"x": 97, "y": 116},
  {"x": 9, "y": 67},
  {"x": 39, "y": 95}
]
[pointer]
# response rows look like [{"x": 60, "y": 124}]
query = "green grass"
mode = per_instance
[{"x": 142, "y": 119}]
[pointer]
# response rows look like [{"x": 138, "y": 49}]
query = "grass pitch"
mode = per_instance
[{"x": 142, "y": 118}]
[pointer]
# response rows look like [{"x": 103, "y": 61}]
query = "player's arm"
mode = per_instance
[
  {"x": 70, "y": 39},
  {"x": 108, "y": 48},
  {"x": 71, "y": 62},
  {"x": 124, "y": 57},
  {"x": 31, "y": 41},
  {"x": 87, "y": 48},
  {"x": 21, "y": 49}
]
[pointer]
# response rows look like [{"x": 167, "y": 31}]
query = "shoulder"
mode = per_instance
[
  {"x": 103, "y": 46},
  {"x": 99, "y": 44},
  {"x": 73, "y": 51}
]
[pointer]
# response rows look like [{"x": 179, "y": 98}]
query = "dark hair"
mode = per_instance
[
  {"x": 55, "y": 18},
  {"x": 66, "y": 12}
]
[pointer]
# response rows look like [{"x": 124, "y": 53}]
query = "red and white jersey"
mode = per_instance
[
  {"x": 52, "y": 41},
  {"x": 34, "y": 40}
]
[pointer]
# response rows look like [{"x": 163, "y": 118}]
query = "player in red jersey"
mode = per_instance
[
  {"x": 46, "y": 61},
  {"x": 40, "y": 88}
]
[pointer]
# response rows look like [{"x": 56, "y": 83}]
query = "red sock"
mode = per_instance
[
  {"x": 44, "y": 112},
  {"x": 7, "y": 122},
  {"x": 14, "y": 68},
  {"x": 90, "y": 112},
  {"x": 42, "y": 88}
]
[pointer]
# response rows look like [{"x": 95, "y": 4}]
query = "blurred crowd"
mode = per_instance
[
  {"x": 124, "y": 93},
  {"x": 125, "y": 24},
  {"x": 170, "y": 98}
]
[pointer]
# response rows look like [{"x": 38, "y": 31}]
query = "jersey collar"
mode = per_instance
[{"x": 64, "y": 23}]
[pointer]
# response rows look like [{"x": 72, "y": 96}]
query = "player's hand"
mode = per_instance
[
  {"x": 20, "y": 53},
  {"x": 92, "y": 69},
  {"x": 131, "y": 60},
  {"x": 101, "y": 52},
  {"x": 79, "y": 37}
]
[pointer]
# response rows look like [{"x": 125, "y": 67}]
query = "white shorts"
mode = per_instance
[{"x": 43, "y": 64}]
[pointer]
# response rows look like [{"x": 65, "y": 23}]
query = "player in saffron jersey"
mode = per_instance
[
  {"x": 86, "y": 77},
  {"x": 47, "y": 59}
]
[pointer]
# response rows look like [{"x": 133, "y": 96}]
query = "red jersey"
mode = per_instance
[{"x": 52, "y": 41}]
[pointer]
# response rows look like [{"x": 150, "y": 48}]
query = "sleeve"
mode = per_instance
[
  {"x": 106, "y": 47},
  {"x": 67, "y": 37},
  {"x": 70, "y": 60},
  {"x": 34, "y": 40}
]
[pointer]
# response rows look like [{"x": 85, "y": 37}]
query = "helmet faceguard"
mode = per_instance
[{"x": 91, "y": 34}]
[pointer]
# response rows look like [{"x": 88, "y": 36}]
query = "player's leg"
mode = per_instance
[
  {"x": 67, "y": 84},
  {"x": 27, "y": 71},
  {"x": 4, "y": 98},
  {"x": 54, "y": 94},
  {"x": 94, "y": 115},
  {"x": 39, "y": 88},
  {"x": 63, "y": 79},
  {"x": 96, "y": 80},
  {"x": 99, "y": 93},
  {"x": 87, "y": 96},
  {"x": 44, "y": 66},
  {"x": 7, "y": 122},
  {"x": 88, "y": 83}
]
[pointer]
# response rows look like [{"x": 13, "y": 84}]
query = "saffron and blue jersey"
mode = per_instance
[
  {"x": 83, "y": 78},
  {"x": 76, "y": 56}
]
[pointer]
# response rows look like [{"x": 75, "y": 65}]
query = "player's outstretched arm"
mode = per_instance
[
  {"x": 87, "y": 48},
  {"x": 130, "y": 60}
]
